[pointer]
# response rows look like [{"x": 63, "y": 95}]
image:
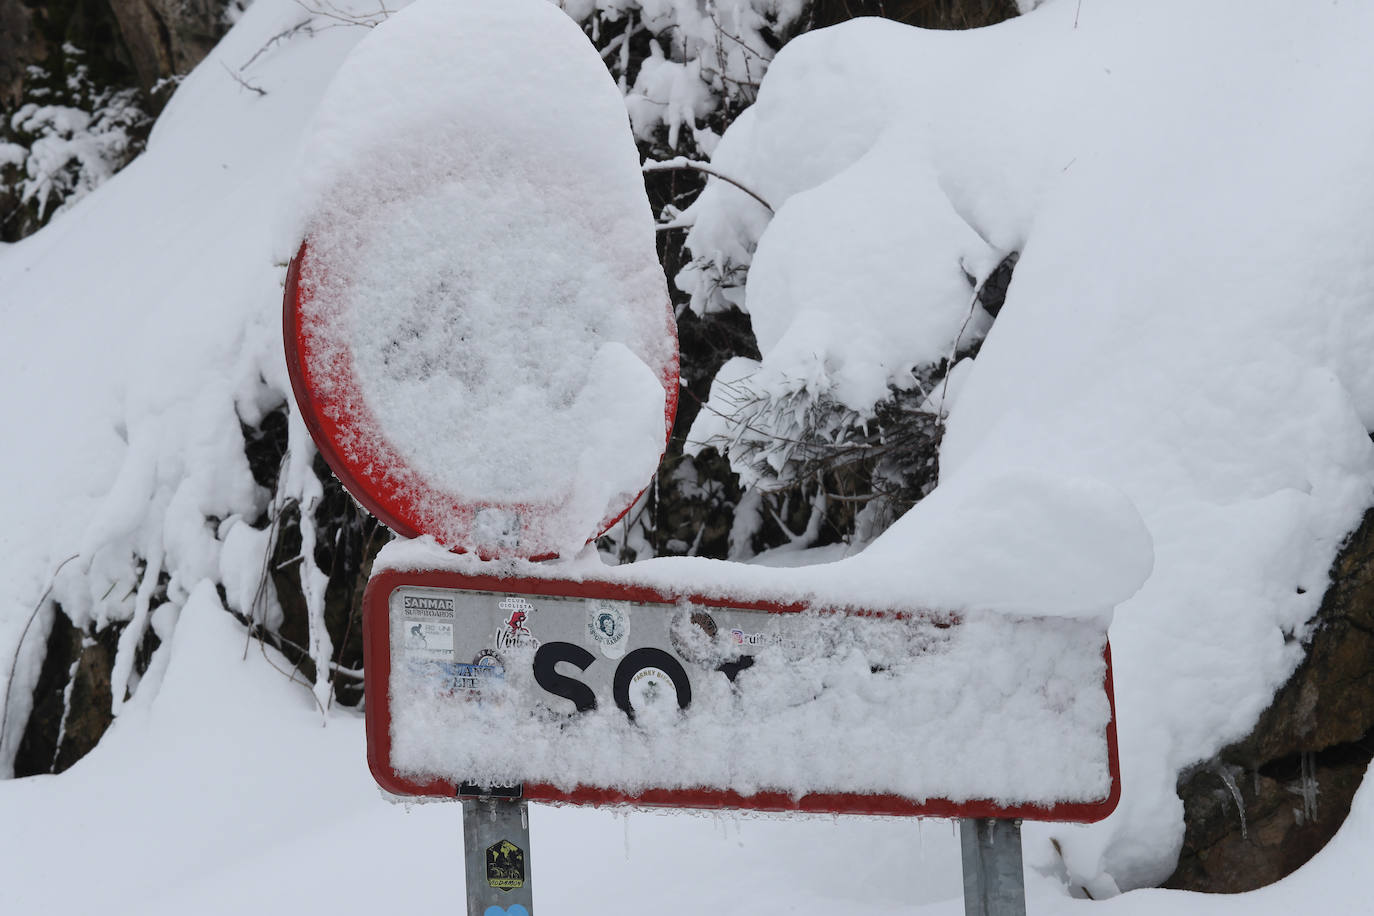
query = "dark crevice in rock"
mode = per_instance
[
  {"x": 264, "y": 445},
  {"x": 72, "y": 699},
  {"x": 1290, "y": 768},
  {"x": 927, "y": 14},
  {"x": 993, "y": 295},
  {"x": 38, "y": 744}
]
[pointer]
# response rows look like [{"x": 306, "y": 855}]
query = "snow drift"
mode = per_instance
[{"x": 1189, "y": 322}]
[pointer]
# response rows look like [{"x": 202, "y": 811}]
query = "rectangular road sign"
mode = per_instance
[{"x": 597, "y": 692}]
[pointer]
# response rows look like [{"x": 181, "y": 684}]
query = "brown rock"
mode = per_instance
[
  {"x": 1268, "y": 803},
  {"x": 89, "y": 706},
  {"x": 20, "y": 46},
  {"x": 167, "y": 37},
  {"x": 65, "y": 724}
]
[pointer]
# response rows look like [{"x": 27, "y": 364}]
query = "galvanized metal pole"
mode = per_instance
[
  {"x": 993, "y": 882},
  {"x": 496, "y": 844}
]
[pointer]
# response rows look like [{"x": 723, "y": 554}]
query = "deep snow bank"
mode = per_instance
[{"x": 1189, "y": 322}]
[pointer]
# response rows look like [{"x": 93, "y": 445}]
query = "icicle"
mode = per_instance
[
  {"x": 1309, "y": 785},
  {"x": 66, "y": 706},
  {"x": 313, "y": 585},
  {"x": 132, "y": 636},
  {"x": 305, "y": 486},
  {"x": 1306, "y": 788},
  {"x": 1229, "y": 779}
]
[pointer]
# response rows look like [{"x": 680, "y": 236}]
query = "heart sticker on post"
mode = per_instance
[{"x": 513, "y": 910}]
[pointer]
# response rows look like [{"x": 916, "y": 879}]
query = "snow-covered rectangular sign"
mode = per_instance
[{"x": 603, "y": 693}]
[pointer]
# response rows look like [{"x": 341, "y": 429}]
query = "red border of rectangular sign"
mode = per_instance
[{"x": 377, "y": 662}]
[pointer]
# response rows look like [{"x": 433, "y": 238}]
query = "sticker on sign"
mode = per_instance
[{"x": 600, "y": 693}]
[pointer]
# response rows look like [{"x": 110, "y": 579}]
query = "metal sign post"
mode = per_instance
[
  {"x": 496, "y": 847},
  {"x": 993, "y": 881}
]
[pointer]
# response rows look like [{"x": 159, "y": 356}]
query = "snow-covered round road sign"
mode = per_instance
[
  {"x": 477, "y": 327},
  {"x": 602, "y": 692}
]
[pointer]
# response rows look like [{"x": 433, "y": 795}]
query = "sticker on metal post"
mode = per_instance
[{"x": 505, "y": 866}]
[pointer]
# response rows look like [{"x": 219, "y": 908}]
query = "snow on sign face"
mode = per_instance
[
  {"x": 477, "y": 325},
  {"x": 594, "y": 692}
]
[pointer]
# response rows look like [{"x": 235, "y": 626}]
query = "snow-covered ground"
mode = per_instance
[
  {"x": 223, "y": 794},
  {"x": 142, "y": 325}
]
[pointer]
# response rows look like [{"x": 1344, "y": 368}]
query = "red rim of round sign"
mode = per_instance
[
  {"x": 379, "y": 477},
  {"x": 377, "y": 690}
]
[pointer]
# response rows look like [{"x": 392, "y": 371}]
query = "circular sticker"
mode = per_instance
[
  {"x": 608, "y": 625},
  {"x": 652, "y": 688},
  {"x": 693, "y": 637}
]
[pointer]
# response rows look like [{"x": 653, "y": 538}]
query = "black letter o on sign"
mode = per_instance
[{"x": 637, "y": 661}]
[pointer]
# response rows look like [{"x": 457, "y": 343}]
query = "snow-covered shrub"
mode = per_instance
[
  {"x": 686, "y": 67},
  {"x": 688, "y": 70},
  {"x": 69, "y": 135}
]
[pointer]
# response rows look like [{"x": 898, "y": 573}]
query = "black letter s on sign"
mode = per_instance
[{"x": 550, "y": 654}]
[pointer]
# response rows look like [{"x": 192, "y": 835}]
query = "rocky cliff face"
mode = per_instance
[
  {"x": 126, "y": 41},
  {"x": 167, "y": 37},
  {"x": 20, "y": 47},
  {"x": 80, "y": 81}
]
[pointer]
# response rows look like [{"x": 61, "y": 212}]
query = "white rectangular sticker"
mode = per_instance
[{"x": 428, "y": 640}]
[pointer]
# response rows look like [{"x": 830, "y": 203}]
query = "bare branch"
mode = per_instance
[
  {"x": 682, "y": 163},
  {"x": 283, "y": 35},
  {"x": 243, "y": 82},
  {"x": 14, "y": 662},
  {"x": 330, "y": 11}
]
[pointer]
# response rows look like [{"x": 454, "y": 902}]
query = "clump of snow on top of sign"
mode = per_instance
[
  {"x": 1019, "y": 542},
  {"x": 1189, "y": 322},
  {"x": 483, "y": 299}
]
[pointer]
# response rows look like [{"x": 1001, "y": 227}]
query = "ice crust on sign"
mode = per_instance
[
  {"x": 831, "y": 703},
  {"x": 484, "y": 291}
]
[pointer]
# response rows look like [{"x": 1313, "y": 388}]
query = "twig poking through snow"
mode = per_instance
[
  {"x": 243, "y": 82},
  {"x": 14, "y": 662},
  {"x": 954, "y": 347},
  {"x": 283, "y": 35}
]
